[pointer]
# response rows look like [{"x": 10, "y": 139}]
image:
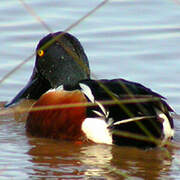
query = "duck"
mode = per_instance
[{"x": 73, "y": 106}]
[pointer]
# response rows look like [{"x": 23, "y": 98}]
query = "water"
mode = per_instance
[{"x": 136, "y": 40}]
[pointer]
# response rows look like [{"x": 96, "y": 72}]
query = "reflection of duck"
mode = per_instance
[
  {"x": 52, "y": 159},
  {"x": 62, "y": 64},
  {"x": 97, "y": 158},
  {"x": 126, "y": 162},
  {"x": 65, "y": 159},
  {"x": 140, "y": 164}
]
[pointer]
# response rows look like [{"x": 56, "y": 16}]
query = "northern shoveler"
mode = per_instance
[{"x": 122, "y": 112}]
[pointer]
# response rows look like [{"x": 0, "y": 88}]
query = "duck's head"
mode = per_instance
[{"x": 60, "y": 60}]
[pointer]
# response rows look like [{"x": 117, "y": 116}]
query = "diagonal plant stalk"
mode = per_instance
[{"x": 32, "y": 12}]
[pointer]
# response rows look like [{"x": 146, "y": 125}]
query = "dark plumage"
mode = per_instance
[
  {"x": 134, "y": 109},
  {"x": 132, "y": 92}
]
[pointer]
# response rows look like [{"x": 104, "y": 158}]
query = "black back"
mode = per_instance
[{"x": 129, "y": 93}]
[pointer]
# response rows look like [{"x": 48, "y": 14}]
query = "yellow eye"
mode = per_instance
[{"x": 40, "y": 52}]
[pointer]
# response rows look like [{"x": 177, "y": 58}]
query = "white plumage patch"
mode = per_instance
[
  {"x": 55, "y": 89},
  {"x": 167, "y": 130},
  {"x": 87, "y": 91},
  {"x": 50, "y": 90},
  {"x": 59, "y": 88},
  {"x": 96, "y": 130}
]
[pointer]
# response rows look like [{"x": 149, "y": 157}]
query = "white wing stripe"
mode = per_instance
[
  {"x": 87, "y": 91},
  {"x": 131, "y": 120}
]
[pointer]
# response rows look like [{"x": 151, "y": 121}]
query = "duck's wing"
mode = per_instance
[
  {"x": 129, "y": 103},
  {"x": 120, "y": 89}
]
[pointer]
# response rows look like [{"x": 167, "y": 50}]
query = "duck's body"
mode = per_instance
[
  {"x": 136, "y": 110},
  {"x": 130, "y": 108}
]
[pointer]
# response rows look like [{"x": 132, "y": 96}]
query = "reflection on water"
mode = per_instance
[
  {"x": 150, "y": 164},
  {"x": 50, "y": 158},
  {"x": 97, "y": 158},
  {"x": 137, "y": 40},
  {"x": 23, "y": 156}
]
